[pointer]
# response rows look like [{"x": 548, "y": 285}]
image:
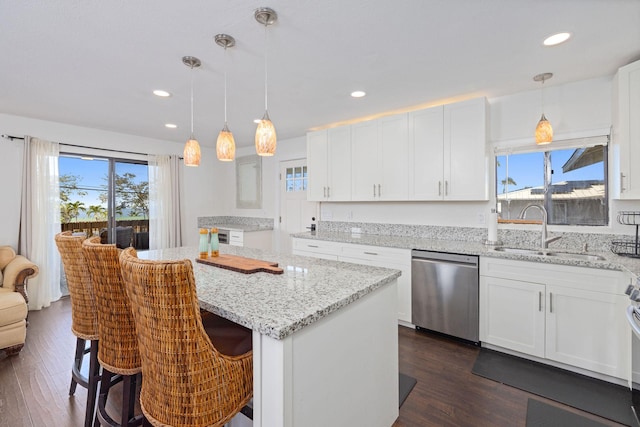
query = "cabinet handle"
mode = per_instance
[
  {"x": 550, "y": 302},
  {"x": 324, "y": 191},
  {"x": 374, "y": 190},
  {"x": 379, "y": 190},
  {"x": 539, "y": 301},
  {"x": 312, "y": 246},
  {"x": 439, "y": 188},
  {"x": 370, "y": 253},
  {"x": 622, "y": 189},
  {"x": 446, "y": 188},
  {"x": 328, "y": 192}
]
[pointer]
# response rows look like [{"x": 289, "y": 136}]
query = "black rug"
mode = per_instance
[
  {"x": 540, "y": 414},
  {"x": 406, "y": 385},
  {"x": 585, "y": 393}
]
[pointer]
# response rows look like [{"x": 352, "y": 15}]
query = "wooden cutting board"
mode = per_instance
[{"x": 242, "y": 264}]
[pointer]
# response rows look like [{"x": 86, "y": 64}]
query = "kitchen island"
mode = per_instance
[{"x": 325, "y": 338}]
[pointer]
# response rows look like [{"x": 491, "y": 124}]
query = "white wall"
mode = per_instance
[{"x": 199, "y": 191}]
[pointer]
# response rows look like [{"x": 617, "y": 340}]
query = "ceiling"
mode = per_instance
[{"x": 96, "y": 63}]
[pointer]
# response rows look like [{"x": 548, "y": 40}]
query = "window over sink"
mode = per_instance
[{"x": 570, "y": 182}]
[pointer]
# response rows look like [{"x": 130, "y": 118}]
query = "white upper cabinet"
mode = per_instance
[
  {"x": 433, "y": 154},
  {"x": 626, "y": 133},
  {"x": 447, "y": 146},
  {"x": 380, "y": 159},
  {"x": 329, "y": 164}
]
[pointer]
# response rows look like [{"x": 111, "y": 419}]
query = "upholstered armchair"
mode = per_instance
[{"x": 14, "y": 272}]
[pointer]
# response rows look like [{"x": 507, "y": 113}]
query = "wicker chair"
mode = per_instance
[
  {"x": 118, "y": 352},
  {"x": 187, "y": 381},
  {"x": 84, "y": 319}
]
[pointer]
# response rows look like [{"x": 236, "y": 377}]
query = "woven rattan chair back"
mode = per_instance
[
  {"x": 187, "y": 382},
  {"x": 118, "y": 351},
  {"x": 84, "y": 317}
]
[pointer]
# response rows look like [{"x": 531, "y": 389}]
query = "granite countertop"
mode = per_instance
[
  {"x": 611, "y": 261},
  {"x": 277, "y": 305},
  {"x": 243, "y": 227}
]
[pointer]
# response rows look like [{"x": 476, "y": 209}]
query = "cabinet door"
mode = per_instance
[
  {"x": 627, "y": 134},
  {"x": 317, "y": 154},
  {"x": 339, "y": 163},
  {"x": 512, "y": 314},
  {"x": 426, "y": 152},
  {"x": 365, "y": 170},
  {"x": 465, "y": 156},
  {"x": 394, "y": 158},
  {"x": 588, "y": 329}
]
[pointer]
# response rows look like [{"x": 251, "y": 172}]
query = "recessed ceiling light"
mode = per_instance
[
  {"x": 556, "y": 39},
  {"x": 170, "y": 125},
  {"x": 161, "y": 93},
  {"x": 358, "y": 93}
]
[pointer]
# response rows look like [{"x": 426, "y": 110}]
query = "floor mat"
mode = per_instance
[
  {"x": 406, "y": 385},
  {"x": 588, "y": 394},
  {"x": 540, "y": 414}
]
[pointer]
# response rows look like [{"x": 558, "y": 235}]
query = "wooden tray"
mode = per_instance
[{"x": 241, "y": 264}]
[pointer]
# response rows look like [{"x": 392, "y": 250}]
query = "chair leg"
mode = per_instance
[
  {"x": 77, "y": 365},
  {"x": 93, "y": 380},
  {"x": 105, "y": 385},
  {"x": 129, "y": 388}
]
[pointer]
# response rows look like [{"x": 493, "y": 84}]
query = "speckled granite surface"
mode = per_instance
[
  {"x": 278, "y": 305},
  {"x": 236, "y": 223},
  {"x": 472, "y": 247}
]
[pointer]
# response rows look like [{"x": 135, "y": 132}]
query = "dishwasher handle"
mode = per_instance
[{"x": 421, "y": 255}]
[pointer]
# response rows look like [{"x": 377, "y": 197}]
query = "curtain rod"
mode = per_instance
[{"x": 11, "y": 137}]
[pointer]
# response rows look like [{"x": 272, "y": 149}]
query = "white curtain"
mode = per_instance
[
  {"x": 164, "y": 202},
  {"x": 40, "y": 219}
]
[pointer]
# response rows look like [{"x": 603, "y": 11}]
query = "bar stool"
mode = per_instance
[
  {"x": 187, "y": 381},
  {"x": 118, "y": 353},
  {"x": 84, "y": 319}
]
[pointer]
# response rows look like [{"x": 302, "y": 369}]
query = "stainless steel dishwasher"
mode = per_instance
[{"x": 444, "y": 293}]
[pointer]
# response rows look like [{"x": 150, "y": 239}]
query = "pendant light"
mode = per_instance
[
  {"x": 266, "y": 132},
  {"x": 191, "y": 148},
  {"x": 225, "y": 145},
  {"x": 544, "y": 131}
]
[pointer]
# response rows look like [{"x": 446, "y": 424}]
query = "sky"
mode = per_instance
[
  {"x": 92, "y": 174},
  {"x": 527, "y": 169}
]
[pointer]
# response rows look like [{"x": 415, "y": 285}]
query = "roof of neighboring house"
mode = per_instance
[{"x": 566, "y": 190}]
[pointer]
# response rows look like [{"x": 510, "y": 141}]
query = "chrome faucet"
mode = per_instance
[{"x": 543, "y": 238}]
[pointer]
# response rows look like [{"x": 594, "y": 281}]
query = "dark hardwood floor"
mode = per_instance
[{"x": 34, "y": 385}]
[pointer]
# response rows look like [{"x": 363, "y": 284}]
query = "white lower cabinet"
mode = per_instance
[
  {"x": 571, "y": 315},
  {"x": 399, "y": 259},
  {"x": 251, "y": 239}
]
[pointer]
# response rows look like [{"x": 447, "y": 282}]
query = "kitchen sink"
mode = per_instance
[
  {"x": 540, "y": 252},
  {"x": 520, "y": 251},
  {"x": 570, "y": 255}
]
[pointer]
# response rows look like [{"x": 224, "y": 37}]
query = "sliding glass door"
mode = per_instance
[{"x": 107, "y": 197}]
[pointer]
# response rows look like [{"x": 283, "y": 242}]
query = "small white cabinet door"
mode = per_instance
[
  {"x": 317, "y": 167},
  {"x": 465, "y": 154},
  {"x": 512, "y": 315},
  {"x": 426, "y": 151},
  {"x": 626, "y": 138},
  {"x": 393, "y": 153},
  {"x": 329, "y": 165},
  {"x": 587, "y": 329},
  {"x": 365, "y": 169}
]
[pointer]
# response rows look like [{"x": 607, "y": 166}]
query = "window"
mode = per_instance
[
  {"x": 296, "y": 179},
  {"x": 571, "y": 183}
]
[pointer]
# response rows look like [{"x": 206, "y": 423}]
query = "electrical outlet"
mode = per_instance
[
  {"x": 480, "y": 218},
  {"x": 356, "y": 230}
]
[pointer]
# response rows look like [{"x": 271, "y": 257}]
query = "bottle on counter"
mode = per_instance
[
  {"x": 204, "y": 243},
  {"x": 215, "y": 242}
]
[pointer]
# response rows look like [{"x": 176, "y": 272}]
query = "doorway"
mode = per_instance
[{"x": 296, "y": 213}]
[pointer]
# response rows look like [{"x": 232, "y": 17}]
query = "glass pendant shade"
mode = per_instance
[
  {"x": 265, "y": 137},
  {"x": 192, "y": 152},
  {"x": 226, "y": 145},
  {"x": 544, "y": 131}
]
